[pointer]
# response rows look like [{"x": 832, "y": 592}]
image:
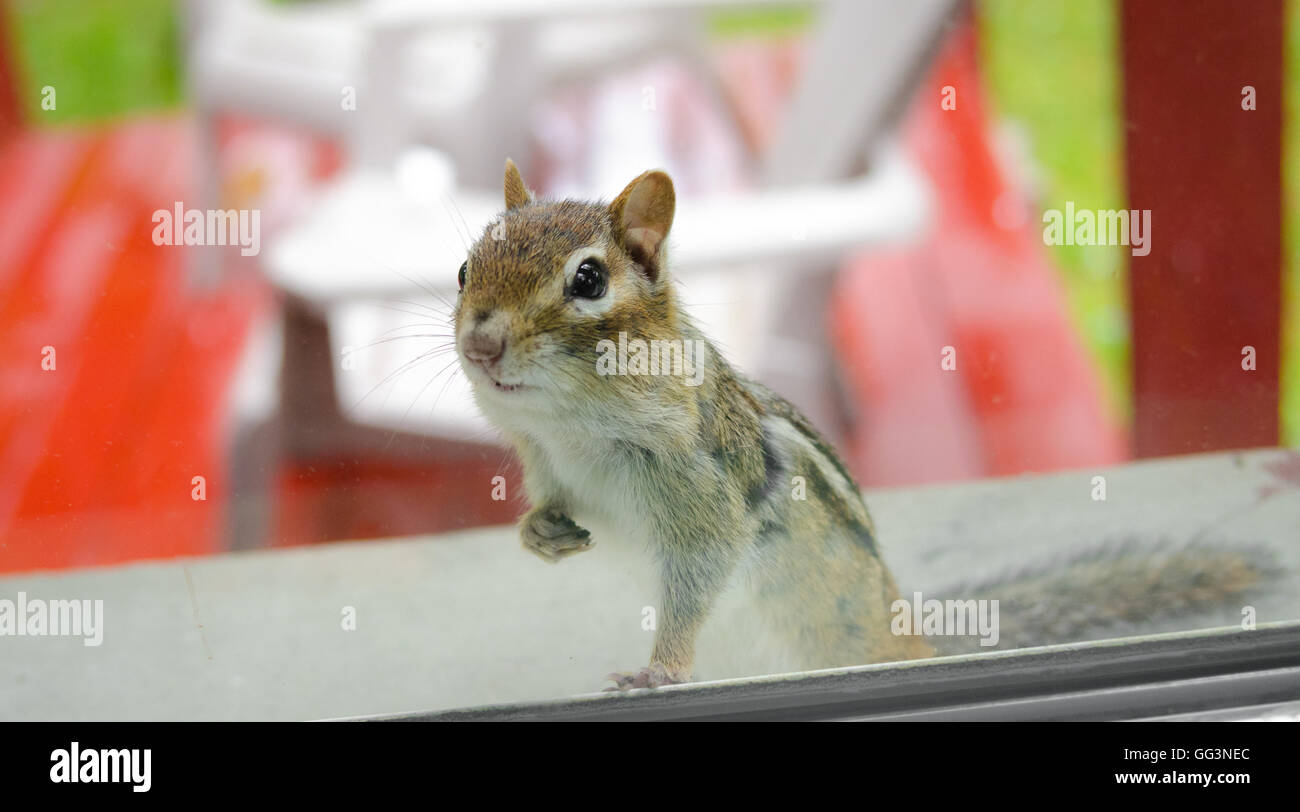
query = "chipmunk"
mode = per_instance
[
  {"x": 707, "y": 469},
  {"x": 703, "y": 473}
]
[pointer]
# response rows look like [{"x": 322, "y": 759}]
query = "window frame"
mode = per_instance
[{"x": 1125, "y": 678}]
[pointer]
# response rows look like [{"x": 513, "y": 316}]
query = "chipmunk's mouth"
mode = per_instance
[{"x": 498, "y": 385}]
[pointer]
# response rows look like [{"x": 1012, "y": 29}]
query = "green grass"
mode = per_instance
[
  {"x": 759, "y": 21},
  {"x": 1290, "y": 383},
  {"x": 103, "y": 59},
  {"x": 1053, "y": 68}
]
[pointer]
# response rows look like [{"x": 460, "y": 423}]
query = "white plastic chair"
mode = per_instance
[{"x": 460, "y": 78}]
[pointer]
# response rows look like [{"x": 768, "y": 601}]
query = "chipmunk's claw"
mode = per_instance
[
  {"x": 652, "y": 676},
  {"x": 552, "y": 536}
]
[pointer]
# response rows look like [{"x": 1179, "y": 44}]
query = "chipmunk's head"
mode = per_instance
[{"x": 549, "y": 281}]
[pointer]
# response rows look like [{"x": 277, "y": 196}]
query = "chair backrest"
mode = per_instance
[
  {"x": 853, "y": 84},
  {"x": 294, "y": 63}
]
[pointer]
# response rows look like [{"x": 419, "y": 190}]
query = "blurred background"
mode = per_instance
[{"x": 862, "y": 188}]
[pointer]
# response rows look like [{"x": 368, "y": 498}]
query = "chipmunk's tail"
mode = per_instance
[{"x": 1117, "y": 590}]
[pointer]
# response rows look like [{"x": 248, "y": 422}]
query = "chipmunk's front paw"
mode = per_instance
[
  {"x": 551, "y": 535},
  {"x": 652, "y": 676}
]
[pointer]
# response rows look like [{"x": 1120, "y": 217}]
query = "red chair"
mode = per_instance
[{"x": 1023, "y": 396}]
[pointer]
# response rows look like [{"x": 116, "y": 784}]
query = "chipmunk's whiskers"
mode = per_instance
[{"x": 423, "y": 357}]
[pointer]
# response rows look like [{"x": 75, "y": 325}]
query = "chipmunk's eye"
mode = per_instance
[
  {"x": 460, "y": 277},
  {"x": 588, "y": 280}
]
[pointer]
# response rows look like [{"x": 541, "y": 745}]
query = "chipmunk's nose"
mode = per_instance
[{"x": 485, "y": 348}]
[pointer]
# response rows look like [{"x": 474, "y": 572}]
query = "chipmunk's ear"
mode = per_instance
[
  {"x": 517, "y": 193},
  {"x": 642, "y": 215}
]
